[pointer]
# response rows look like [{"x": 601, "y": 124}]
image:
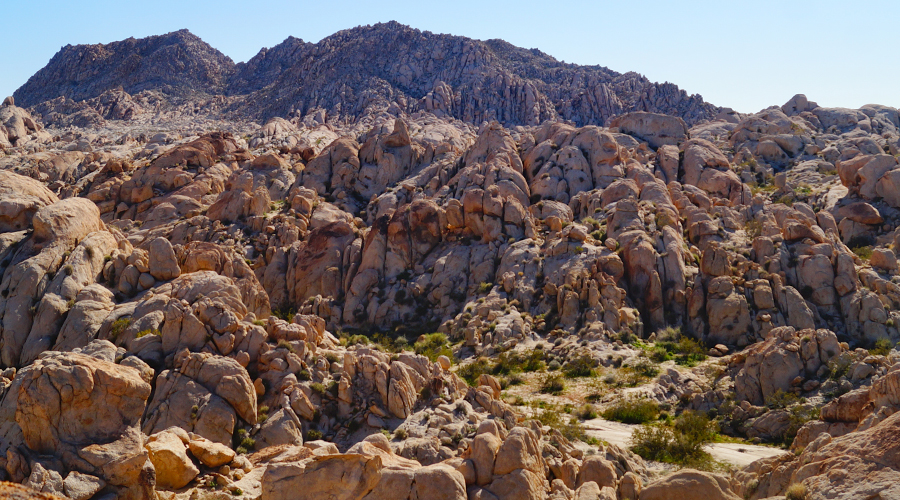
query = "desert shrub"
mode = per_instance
[
  {"x": 863, "y": 252},
  {"x": 796, "y": 491},
  {"x": 313, "y": 435},
  {"x": 881, "y": 347},
  {"x": 668, "y": 334},
  {"x": 318, "y": 388},
  {"x": 798, "y": 416},
  {"x": 470, "y": 372},
  {"x": 671, "y": 344},
  {"x": 637, "y": 373},
  {"x": 627, "y": 336},
  {"x": 148, "y": 331},
  {"x": 652, "y": 441},
  {"x": 285, "y": 313},
  {"x": 247, "y": 444},
  {"x": 485, "y": 287},
  {"x": 284, "y": 344},
  {"x": 681, "y": 443},
  {"x": 513, "y": 362},
  {"x": 355, "y": 340},
  {"x": 582, "y": 366},
  {"x": 838, "y": 366},
  {"x": 786, "y": 200},
  {"x": 432, "y": 346},
  {"x": 586, "y": 412},
  {"x": 119, "y": 326},
  {"x": 780, "y": 399},
  {"x": 632, "y": 411},
  {"x": 552, "y": 416},
  {"x": 400, "y": 434},
  {"x": 753, "y": 229},
  {"x": 658, "y": 354},
  {"x": 552, "y": 383},
  {"x": 695, "y": 425}
]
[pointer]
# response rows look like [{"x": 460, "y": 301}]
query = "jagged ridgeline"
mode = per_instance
[
  {"x": 386, "y": 266},
  {"x": 358, "y": 72}
]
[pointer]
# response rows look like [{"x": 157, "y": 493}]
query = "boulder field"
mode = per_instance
[{"x": 207, "y": 309}]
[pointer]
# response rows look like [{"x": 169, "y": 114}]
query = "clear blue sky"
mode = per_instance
[{"x": 745, "y": 54}]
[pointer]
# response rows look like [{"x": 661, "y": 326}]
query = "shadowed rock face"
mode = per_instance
[{"x": 360, "y": 71}]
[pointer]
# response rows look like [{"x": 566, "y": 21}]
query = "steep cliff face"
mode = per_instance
[
  {"x": 177, "y": 63},
  {"x": 362, "y": 71}
]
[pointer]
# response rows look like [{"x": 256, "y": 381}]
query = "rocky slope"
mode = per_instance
[
  {"x": 432, "y": 308},
  {"x": 175, "y": 63},
  {"x": 352, "y": 74}
]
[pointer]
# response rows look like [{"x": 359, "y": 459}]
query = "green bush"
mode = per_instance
[
  {"x": 696, "y": 426},
  {"x": 552, "y": 383},
  {"x": 148, "y": 331},
  {"x": 313, "y": 435},
  {"x": 285, "y": 313},
  {"x": 681, "y": 443},
  {"x": 432, "y": 346},
  {"x": 119, "y": 326},
  {"x": 582, "y": 366},
  {"x": 882, "y": 347},
  {"x": 247, "y": 443},
  {"x": 671, "y": 344},
  {"x": 632, "y": 411},
  {"x": 470, "y": 372},
  {"x": 513, "y": 362},
  {"x": 838, "y": 366},
  {"x": 780, "y": 399},
  {"x": 355, "y": 340},
  {"x": 284, "y": 344},
  {"x": 658, "y": 354},
  {"x": 863, "y": 252}
]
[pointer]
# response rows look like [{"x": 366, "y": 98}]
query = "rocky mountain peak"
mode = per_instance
[
  {"x": 386, "y": 67},
  {"x": 177, "y": 63}
]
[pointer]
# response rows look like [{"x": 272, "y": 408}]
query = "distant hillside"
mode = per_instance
[
  {"x": 364, "y": 70},
  {"x": 177, "y": 63}
]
